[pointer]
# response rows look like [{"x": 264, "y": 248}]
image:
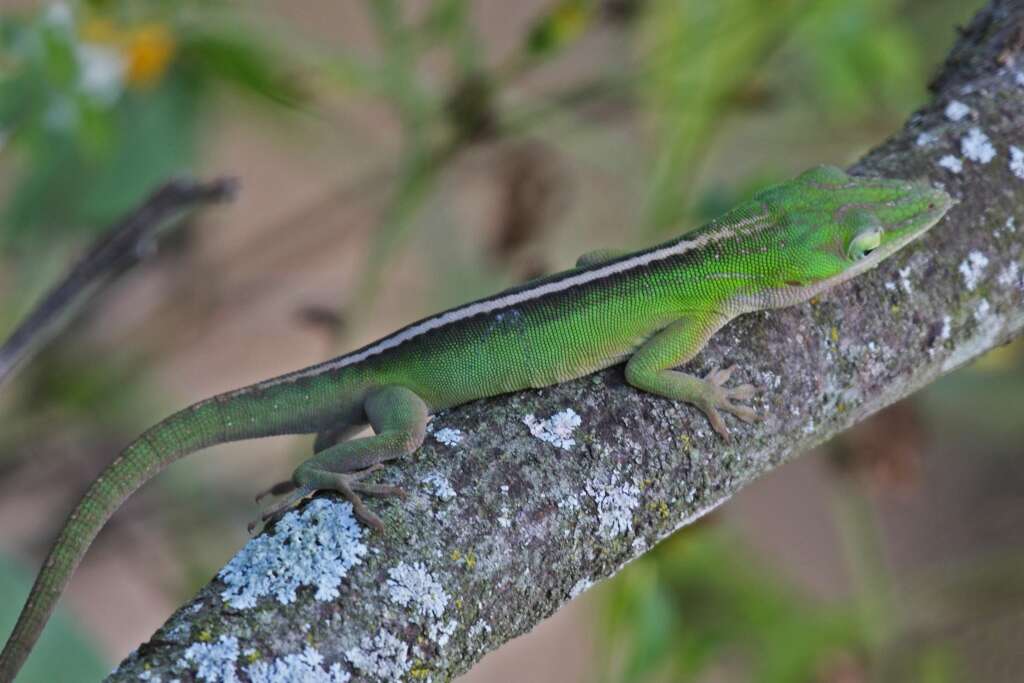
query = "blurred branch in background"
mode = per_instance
[{"x": 126, "y": 243}]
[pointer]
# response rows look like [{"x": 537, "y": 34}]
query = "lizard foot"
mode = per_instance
[
  {"x": 718, "y": 397},
  {"x": 348, "y": 484}
]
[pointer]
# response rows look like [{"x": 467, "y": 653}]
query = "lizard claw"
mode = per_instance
[
  {"x": 744, "y": 392},
  {"x": 279, "y": 489},
  {"x": 717, "y": 423},
  {"x": 718, "y": 376},
  {"x": 350, "y": 485},
  {"x": 296, "y": 495},
  {"x": 721, "y": 398}
]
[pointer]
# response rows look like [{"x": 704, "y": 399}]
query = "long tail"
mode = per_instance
[{"x": 190, "y": 430}]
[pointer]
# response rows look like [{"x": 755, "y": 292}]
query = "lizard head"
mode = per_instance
[{"x": 836, "y": 226}]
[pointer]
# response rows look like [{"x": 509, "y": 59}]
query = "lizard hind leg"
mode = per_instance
[
  {"x": 325, "y": 438},
  {"x": 399, "y": 419},
  {"x": 338, "y": 433}
]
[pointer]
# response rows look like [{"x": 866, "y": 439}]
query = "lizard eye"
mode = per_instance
[
  {"x": 866, "y": 233},
  {"x": 864, "y": 243}
]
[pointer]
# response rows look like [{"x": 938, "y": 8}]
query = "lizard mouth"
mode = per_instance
[{"x": 905, "y": 231}]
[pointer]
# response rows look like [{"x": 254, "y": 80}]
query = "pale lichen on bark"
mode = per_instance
[{"x": 524, "y": 525}]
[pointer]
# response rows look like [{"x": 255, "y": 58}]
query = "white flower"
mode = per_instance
[{"x": 101, "y": 71}]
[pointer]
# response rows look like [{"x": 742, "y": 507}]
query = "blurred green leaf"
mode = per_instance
[
  {"x": 937, "y": 664},
  {"x": 860, "y": 58},
  {"x": 558, "y": 28},
  {"x": 58, "y": 57},
  {"x": 450, "y": 22},
  {"x": 156, "y": 138},
  {"x": 697, "y": 602},
  {"x": 719, "y": 197},
  {"x": 243, "y": 60},
  {"x": 695, "y": 57},
  {"x": 444, "y": 17}
]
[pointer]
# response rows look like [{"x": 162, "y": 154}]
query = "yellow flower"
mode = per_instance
[
  {"x": 149, "y": 51},
  {"x": 146, "y": 49}
]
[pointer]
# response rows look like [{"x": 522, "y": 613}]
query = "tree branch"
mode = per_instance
[
  {"x": 527, "y": 525},
  {"x": 120, "y": 247}
]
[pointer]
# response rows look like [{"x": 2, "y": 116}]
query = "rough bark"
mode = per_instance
[{"x": 530, "y": 524}]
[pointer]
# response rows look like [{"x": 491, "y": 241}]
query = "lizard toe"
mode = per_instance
[
  {"x": 717, "y": 423},
  {"x": 744, "y": 392},
  {"x": 718, "y": 377},
  {"x": 273, "y": 513},
  {"x": 279, "y": 489},
  {"x": 744, "y": 413}
]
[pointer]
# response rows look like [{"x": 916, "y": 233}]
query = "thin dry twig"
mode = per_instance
[{"x": 126, "y": 243}]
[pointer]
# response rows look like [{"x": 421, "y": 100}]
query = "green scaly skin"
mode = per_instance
[{"x": 654, "y": 309}]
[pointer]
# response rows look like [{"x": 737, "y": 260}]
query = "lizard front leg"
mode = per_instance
[
  {"x": 650, "y": 369},
  {"x": 399, "y": 419},
  {"x": 326, "y": 438}
]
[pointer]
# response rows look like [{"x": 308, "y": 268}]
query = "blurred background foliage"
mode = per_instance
[
  {"x": 101, "y": 101},
  {"x": 467, "y": 145}
]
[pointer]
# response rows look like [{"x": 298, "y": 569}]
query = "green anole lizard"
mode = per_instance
[{"x": 654, "y": 309}]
